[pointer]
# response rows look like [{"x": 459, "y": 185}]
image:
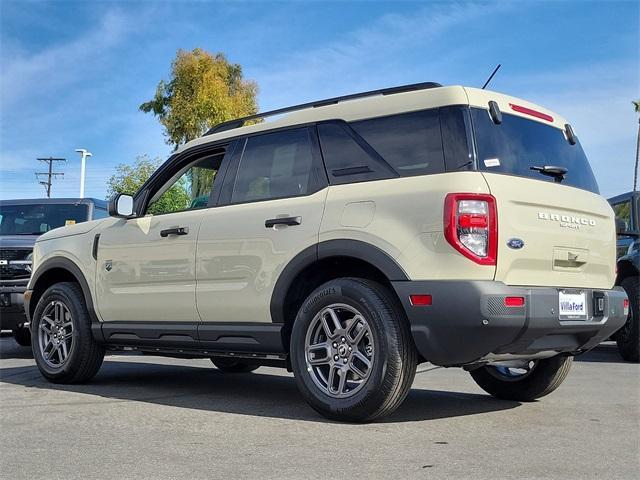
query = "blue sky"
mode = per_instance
[{"x": 73, "y": 74}]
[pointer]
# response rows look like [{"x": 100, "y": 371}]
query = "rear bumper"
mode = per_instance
[
  {"x": 467, "y": 322},
  {"x": 12, "y": 306}
]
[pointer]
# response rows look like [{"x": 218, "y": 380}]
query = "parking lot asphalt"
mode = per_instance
[{"x": 151, "y": 417}]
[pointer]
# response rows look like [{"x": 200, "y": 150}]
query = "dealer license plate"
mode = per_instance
[{"x": 572, "y": 305}]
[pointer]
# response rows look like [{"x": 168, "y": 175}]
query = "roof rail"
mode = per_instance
[{"x": 239, "y": 122}]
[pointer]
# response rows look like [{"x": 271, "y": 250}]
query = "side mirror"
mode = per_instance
[
  {"x": 121, "y": 206},
  {"x": 621, "y": 226}
]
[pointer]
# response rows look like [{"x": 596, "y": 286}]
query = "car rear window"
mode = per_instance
[
  {"x": 410, "y": 142},
  {"x": 517, "y": 144}
]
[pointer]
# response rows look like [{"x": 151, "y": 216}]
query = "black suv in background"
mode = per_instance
[
  {"x": 21, "y": 223},
  {"x": 627, "y": 210}
]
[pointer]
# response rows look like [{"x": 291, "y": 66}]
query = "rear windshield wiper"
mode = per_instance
[{"x": 557, "y": 173}]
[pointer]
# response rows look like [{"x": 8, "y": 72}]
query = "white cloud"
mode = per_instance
[
  {"x": 58, "y": 65},
  {"x": 372, "y": 49}
]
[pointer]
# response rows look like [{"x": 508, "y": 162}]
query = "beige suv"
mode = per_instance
[{"x": 348, "y": 240}]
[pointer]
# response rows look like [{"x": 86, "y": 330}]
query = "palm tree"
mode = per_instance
[{"x": 636, "y": 105}]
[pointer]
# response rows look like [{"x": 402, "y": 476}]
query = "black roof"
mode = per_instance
[
  {"x": 623, "y": 196},
  {"x": 54, "y": 201}
]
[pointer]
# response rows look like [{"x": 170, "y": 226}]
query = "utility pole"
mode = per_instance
[{"x": 50, "y": 174}]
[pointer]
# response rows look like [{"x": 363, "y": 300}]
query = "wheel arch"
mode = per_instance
[
  {"x": 326, "y": 261},
  {"x": 56, "y": 270}
]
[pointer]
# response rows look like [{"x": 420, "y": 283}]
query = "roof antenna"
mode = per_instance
[{"x": 491, "y": 76}]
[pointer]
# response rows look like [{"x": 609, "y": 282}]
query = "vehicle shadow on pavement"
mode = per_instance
[
  {"x": 10, "y": 349},
  {"x": 605, "y": 353},
  {"x": 257, "y": 394}
]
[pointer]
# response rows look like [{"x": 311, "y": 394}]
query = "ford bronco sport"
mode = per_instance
[
  {"x": 21, "y": 223},
  {"x": 348, "y": 241}
]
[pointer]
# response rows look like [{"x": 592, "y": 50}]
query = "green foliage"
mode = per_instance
[
  {"x": 203, "y": 91},
  {"x": 129, "y": 178},
  {"x": 623, "y": 211}
]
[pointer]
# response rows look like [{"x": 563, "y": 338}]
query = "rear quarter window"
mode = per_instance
[{"x": 410, "y": 142}]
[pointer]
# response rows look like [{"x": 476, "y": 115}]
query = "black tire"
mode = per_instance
[
  {"x": 85, "y": 355},
  {"x": 628, "y": 337},
  {"x": 231, "y": 365},
  {"x": 544, "y": 378},
  {"x": 392, "y": 368},
  {"x": 22, "y": 336}
]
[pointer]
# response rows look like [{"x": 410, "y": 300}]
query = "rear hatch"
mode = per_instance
[{"x": 552, "y": 231}]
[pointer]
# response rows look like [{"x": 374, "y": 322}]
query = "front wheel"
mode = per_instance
[
  {"x": 63, "y": 346},
  {"x": 351, "y": 351},
  {"x": 524, "y": 383}
]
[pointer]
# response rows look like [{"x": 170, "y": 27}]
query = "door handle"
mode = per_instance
[
  {"x": 174, "y": 231},
  {"x": 291, "y": 221}
]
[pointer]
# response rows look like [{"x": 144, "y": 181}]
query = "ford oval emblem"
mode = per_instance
[{"x": 515, "y": 243}]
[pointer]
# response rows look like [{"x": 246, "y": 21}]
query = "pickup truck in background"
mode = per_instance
[
  {"x": 627, "y": 210},
  {"x": 21, "y": 223}
]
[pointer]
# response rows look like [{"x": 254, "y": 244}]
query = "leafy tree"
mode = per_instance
[
  {"x": 129, "y": 178},
  {"x": 203, "y": 90}
]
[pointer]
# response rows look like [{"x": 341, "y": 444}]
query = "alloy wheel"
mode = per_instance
[
  {"x": 55, "y": 334},
  {"x": 339, "y": 350}
]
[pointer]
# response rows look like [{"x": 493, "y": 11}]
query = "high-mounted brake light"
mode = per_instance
[
  {"x": 471, "y": 226},
  {"x": 529, "y": 111}
]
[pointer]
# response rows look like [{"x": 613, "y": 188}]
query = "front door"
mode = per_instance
[{"x": 146, "y": 265}]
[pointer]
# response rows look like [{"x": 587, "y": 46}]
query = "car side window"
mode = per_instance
[
  {"x": 188, "y": 189},
  {"x": 348, "y": 161},
  {"x": 410, "y": 142},
  {"x": 275, "y": 165}
]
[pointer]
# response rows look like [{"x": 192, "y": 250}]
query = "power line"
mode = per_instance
[{"x": 50, "y": 174}]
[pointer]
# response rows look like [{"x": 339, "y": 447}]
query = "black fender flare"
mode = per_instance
[
  {"x": 73, "y": 269},
  {"x": 331, "y": 248}
]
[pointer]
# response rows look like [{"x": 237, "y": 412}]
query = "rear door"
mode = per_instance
[
  {"x": 270, "y": 210},
  {"x": 552, "y": 231}
]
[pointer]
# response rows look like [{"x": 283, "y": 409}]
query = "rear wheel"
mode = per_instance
[
  {"x": 22, "y": 336},
  {"x": 231, "y": 365},
  {"x": 525, "y": 382},
  {"x": 63, "y": 346},
  {"x": 351, "y": 351},
  {"x": 628, "y": 337}
]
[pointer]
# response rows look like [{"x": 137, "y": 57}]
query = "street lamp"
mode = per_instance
[{"x": 84, "y": 153}]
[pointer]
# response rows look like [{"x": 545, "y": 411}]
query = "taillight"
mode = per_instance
[
  {"x": 471, "y": 225},
  {"x": 625, "y": 306}
]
